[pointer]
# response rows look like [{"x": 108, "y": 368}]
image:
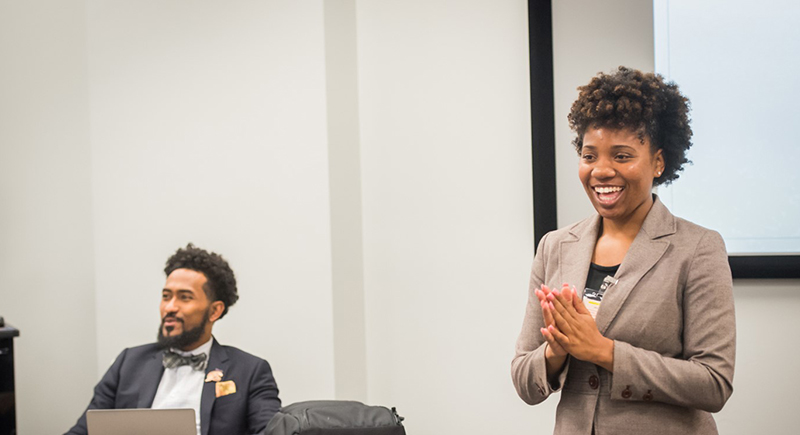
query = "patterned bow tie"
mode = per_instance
[{"x": 172, "y": 360}]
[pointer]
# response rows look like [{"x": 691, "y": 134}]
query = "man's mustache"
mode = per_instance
[{"x": 171, "y": 317}]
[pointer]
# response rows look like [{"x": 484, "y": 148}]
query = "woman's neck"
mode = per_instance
[{"x": 628, "y": 227}]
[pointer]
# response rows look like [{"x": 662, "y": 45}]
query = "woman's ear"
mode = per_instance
[{"x": 659, "y": 163}]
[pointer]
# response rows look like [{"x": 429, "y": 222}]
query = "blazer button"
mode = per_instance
[
  {"x": 647, "y": 396},
  {"x": 626, "y": 393},
  {"x": 594, "y": 382}
]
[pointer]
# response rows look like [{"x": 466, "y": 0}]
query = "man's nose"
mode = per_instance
[{"x": 171, "y": 306}]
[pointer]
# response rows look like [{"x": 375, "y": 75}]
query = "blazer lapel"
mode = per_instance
[
  {"x": 153, "y": 370},
  {"x": 575, "y": 255},
  {"x": 644, "y": 253},
  {"x": 218, "y": 359}
]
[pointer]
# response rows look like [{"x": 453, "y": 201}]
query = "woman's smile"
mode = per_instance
[{"x": 608, "y": 195}]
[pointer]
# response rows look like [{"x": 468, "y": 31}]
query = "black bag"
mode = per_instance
[{"x": 335, "y": 417}]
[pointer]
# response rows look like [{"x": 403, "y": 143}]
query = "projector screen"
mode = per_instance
[{"x": 739, "y": 64}]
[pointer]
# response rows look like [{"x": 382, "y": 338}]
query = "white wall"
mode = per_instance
[
  {"x": 46, "y": 260},
  {"x": 445, "y": 135},
  {"x": 208, "y": 125},
  {"x": 766, "y": 380},
  {"x": 344, "y": 154},
  {"x": 130, "y": 128}
]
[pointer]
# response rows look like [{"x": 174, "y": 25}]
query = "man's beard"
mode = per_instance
[{"x": 185, "y": 338}]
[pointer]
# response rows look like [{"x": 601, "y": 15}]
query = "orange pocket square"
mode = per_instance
[{"x": 225, "y": 387}]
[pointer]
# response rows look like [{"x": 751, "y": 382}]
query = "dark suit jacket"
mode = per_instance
[
  {"x": 671, "y": 317},
  {"x": 133, "y": 379}
]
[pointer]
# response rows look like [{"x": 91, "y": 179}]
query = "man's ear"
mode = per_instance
[{"x": 217, "y": 307}]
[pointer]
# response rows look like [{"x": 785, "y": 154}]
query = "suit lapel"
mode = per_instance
[
  {"x": 217, "y": 360},
  {"x": 575, "y": 255},
  {"x": 153, "y": 371},
  {"x": 644, "y": 253}
]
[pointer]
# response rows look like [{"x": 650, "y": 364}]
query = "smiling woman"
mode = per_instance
[
  {"x": 650, "y": 340},
  {"x": 617, "y": 170}
]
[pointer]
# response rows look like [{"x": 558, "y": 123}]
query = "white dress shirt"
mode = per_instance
[{"x": 182, "y": 387}]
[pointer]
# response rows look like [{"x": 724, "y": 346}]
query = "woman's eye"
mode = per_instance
[
  {"x": 623, "y": 157},
  {"x": 587, "y": 157}
]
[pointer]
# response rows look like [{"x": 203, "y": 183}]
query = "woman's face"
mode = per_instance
[{"x": 617, "y": 171}]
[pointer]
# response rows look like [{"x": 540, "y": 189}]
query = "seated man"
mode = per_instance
[{"x": 232, "y": 392}]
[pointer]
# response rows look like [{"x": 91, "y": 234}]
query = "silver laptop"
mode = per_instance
[{"x": 141, "y": 422}]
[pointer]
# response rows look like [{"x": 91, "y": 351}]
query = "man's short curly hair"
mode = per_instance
[
  {"x": 220, "y": 284},
  {"x": 644, "y": 103}
]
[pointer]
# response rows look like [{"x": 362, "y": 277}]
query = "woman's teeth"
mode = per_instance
[{"x": 607, "y": 189}]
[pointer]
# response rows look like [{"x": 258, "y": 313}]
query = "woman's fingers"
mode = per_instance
[
  {"x": 559, "y": 337},
  {"x": 547, "y": 314},
  {"x": 577, "y": 303},
  {"x": 540, "y": 295},
  {"x": 565, "y": 308},
  {"x": 569, "y": 297},
  {"x": 555, "y": 347},
  {"x": 569, "y": 328},
  {"x": 562, "y": 321},
  {"x": 562, "y": 304},
  {"x": 542, "y": 292}
]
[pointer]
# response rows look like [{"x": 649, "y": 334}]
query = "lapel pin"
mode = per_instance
[{"x": 214, "y": 375}]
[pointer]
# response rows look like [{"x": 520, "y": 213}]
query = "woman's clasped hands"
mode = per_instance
[{"x": 570, "y": 329}]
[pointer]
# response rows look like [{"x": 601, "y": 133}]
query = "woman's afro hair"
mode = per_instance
[
  {"x": 644, "y": 103},
  {"x": 220, "y": 284}
]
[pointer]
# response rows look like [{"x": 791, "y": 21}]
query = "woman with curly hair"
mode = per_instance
[{"x": 630, "y": 312}]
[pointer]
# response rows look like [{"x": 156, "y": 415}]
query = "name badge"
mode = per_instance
[{"x": 593, "y": 298}]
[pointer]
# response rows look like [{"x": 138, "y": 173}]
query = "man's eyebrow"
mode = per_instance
[{"x": 180, "y": 290}]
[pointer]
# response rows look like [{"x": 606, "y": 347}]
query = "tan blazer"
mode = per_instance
[{"x": 671, "y": 318}]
